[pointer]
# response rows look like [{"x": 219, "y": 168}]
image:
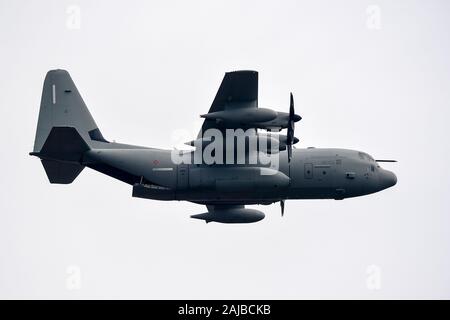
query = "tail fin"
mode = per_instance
[
  {"x": 65, "y": 130},
  {"x": 62, "y": 106}
]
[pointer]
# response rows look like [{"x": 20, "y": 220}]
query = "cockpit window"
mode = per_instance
[{"x": 365, "y": 156}]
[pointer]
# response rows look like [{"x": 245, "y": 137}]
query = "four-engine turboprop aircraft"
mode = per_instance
[{"x": 218, "y": 173}]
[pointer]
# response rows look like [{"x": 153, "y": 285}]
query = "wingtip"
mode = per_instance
[{"x": 241, "y": 71}]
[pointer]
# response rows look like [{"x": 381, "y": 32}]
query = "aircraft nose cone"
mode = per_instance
[
  {"x": 295, "y": 140},
  {"x": 388, "y": 179}
]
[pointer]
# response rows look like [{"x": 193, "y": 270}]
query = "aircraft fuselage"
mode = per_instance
[{"x": 312, "y": 173}]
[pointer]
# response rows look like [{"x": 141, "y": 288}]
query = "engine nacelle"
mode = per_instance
[
  {"x": 235, "y": 215},
  {"x": 242, "y": 116},
  {"x": 268, "y": 143}
]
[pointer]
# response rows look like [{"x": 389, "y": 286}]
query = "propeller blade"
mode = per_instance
[
  {"x": 289, "y": 150},
  {"x": 291, "y": 123},
  {"x": 282, "y": 207},
  {"x": 291, "y": 107},
  {"x": 293, "y": 118}
]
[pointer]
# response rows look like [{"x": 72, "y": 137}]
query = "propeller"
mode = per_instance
[
  {"x": 282, "y": 207},
  {"x": 293, "y": 118}
]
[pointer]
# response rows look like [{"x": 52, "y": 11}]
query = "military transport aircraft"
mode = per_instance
[{"x": 68, "y": 140}]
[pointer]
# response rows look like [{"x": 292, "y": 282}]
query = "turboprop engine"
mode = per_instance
[
  {"x": 242, "y": 116},
  {"x": 269, "y": 143},
  {"x": 245, "y": 115}
]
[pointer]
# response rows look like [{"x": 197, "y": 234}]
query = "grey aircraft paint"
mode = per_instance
[{"x": 68, "y": 140}]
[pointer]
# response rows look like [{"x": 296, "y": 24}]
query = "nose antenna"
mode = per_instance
[{"x": 384, "y": 160}]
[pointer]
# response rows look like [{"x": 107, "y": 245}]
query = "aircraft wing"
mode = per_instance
[
  {"x": 238, "y": 90},
  {"x": 236, "y": 107}
]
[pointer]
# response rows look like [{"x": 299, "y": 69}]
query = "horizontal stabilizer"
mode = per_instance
[
  {"x": 60, "y": 172},
  {"x": 63, "y": 143},
  {"x": 61, "y": 154}
]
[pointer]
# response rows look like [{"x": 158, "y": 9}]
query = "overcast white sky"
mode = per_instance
[{"x": 149, "y": 68}]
